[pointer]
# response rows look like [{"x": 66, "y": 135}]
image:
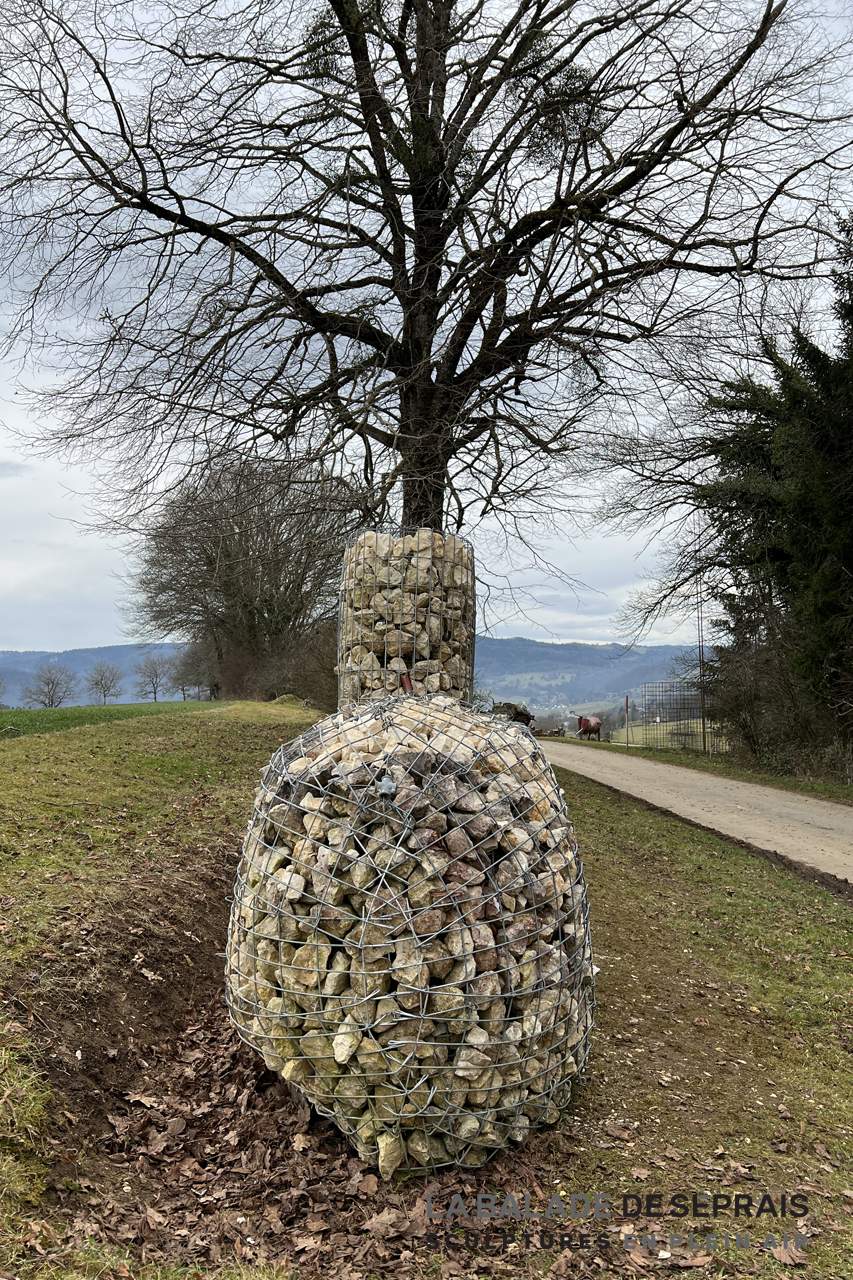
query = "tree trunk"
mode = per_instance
[
  {"x": 424, "y": 455},
  {"x": 423, "y": 501}
]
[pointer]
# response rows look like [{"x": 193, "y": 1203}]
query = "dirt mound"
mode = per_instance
[{"x": 116, "y": 984}]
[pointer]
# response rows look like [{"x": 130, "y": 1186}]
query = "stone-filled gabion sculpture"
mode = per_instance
[
  {"x": 406, "y": 618},
  {"x": 409, "y": 942}
]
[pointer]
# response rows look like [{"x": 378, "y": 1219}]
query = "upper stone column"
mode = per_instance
[{"x": 407, "y": 616}]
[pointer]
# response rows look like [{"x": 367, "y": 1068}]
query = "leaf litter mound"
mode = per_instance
[
  {"x": 210, "y": 1158},
  {"x": 171, "y": 1141}
]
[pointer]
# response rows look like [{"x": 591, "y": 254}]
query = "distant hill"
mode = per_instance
[
  {"x": 17, "y": 668},
  {"x": 547, "y": 675},
  {"x": 518, "y": 670}
]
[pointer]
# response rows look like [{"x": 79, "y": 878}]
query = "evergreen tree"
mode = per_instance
[{"x": 781, "y": 503}]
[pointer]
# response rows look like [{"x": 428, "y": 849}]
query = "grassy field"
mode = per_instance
[
  {"x": 17, "y": 722},
  {"x": 669, "y": 735},
  {"x": 135, "y": 1140},
  {"x": 727, "y": 767}
]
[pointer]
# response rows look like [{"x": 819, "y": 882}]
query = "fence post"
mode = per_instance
[{"x": 627, "y": 721}]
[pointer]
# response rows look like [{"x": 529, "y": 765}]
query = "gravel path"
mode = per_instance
[{"x": 814, "y": 834}]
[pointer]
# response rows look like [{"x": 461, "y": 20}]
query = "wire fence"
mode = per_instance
[{"x": 670, "y": 715}]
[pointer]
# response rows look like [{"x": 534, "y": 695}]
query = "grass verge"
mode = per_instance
[{"x": 88, "y": 830}]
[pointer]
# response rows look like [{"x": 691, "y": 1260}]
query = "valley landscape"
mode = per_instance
[{"x": 542, "y": 674}]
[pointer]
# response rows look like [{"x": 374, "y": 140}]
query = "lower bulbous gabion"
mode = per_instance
[{"x": 409, "y": 943}]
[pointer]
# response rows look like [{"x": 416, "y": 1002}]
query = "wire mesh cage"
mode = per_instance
[
  {"x": 672, "y": 715},
  {"x": 409, "y": 940},
  {"x": 407, "y": 615}
]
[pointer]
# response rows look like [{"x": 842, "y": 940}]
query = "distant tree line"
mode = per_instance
[{"x": 53, "y": 684}]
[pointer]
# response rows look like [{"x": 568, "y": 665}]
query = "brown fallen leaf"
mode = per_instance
[
  {"x": 691, "y": 1260},
  {"x": 304, "y": 1244},
  {"x": 640, "y": 1175},
  {"x": 369, "y": 1185},
  {"x": 390, "y": 1222},
  {"x": 417, "y": 1224},
  {"x": 789, "y": 1254},
  {"x": 156, "y": 1144}
]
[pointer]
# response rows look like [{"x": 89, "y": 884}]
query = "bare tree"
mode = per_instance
[
  {"x": 180, "y": 678},
  {"x": 194, "y": 672},
  {"x": 104, "y": 681},
  {"x": 2, "y": 689},
  {"x": 243, "y": 562},
  {"x": 51, "y": 685},
  {"x": 424, "y": 234},
  {"x": 152, "y": 676}
]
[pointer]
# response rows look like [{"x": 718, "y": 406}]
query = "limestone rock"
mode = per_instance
[
  {"x": 407, "y": 616},
  {"x": 408, "y": 942}
]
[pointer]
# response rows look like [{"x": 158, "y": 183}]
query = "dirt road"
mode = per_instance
[{"x": 813, "y": 833}]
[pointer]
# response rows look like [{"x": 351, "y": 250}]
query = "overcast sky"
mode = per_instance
[{"x": 61, "y": 588}]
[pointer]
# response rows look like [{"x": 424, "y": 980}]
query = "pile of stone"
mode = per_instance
[
  {"x": 409, "y": 942},
  {"x": 407, "y": 611}
]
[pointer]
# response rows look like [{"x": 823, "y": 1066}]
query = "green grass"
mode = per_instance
[
  {"x": 19, "y": 722},
  {"x": 81, "y": 823},
  {"x": 668, "y": 735},
  {"x": 689, "y": 926},
  {"x": 71, "y": 820},
  {"x": 724, "y": 1013},
  {"x": 725, "y": 766}
]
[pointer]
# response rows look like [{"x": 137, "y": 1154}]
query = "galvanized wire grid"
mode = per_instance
[
  {"x": 409, "y": 939},
  {"x": 407, "y": 615}
]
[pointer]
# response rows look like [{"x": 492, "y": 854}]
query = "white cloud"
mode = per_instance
[
  {"x": 9, "y": 469},
  {"x": 60, "y": 588}
]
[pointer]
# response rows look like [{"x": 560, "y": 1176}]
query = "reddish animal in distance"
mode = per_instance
[{"x": 589, "y": 727}]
